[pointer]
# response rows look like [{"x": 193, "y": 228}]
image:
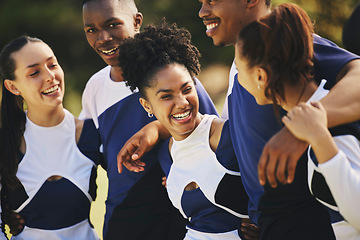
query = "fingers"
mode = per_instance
[
  {"x": 249, "y": 230},
  {"x": 281, "y": 170},
  {"x": 291, "y": 167},
  {"x": 134, "y": 166},
  {"x": 16, "y": 223},
  {"x": 139, "y": 152},
  {"x": 317, "y": 105},
  {"x": 163, "y": 181},
  {"x": 271, "y": 169},
  {"x": 262, "y": 166},
  {"x": 124, "y": 157}
]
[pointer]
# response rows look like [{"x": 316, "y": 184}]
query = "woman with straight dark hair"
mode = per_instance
[{"x": 48, "y": 158}]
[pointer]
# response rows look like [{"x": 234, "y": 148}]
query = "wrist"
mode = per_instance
[{"x": 324, "y": 147}]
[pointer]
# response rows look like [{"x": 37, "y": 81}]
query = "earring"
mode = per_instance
[
  {"x": 259, "y": 86},
  {"x": 150, "y": 115}
]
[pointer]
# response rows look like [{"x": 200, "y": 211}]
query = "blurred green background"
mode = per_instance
[{"x": 59, "y": 23}]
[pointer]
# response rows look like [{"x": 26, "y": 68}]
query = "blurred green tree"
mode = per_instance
[{"x": 59, "y": 23}]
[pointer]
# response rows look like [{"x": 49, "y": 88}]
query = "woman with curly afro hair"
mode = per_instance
[{"x": 203, "y": 180}]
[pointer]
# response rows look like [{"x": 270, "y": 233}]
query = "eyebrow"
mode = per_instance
[
  {"x": 107, "y": 21},
  {"x": 169, "y": 90},
  {"x": 37, "y": 64}
]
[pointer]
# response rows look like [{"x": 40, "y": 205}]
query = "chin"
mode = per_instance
[{"x": 218, "y": 44}]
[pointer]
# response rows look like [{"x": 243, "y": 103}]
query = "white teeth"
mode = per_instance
[
  {"x": 51, "y": 90},
  {"x": 211, "y": 26},
  {"x": 109, "y": 52},
  {"x": 181, "y": 115}
]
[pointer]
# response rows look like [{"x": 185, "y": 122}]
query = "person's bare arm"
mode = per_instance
[
  {"x": 142, "y": 141},
  {"x": 342, "y": 104},
  {"x": 281, "y": 153}
]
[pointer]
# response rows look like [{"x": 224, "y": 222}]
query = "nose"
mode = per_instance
[
  {"x": 50, "y": 75},
  {"x": 182, "y": 102},
  {"x": 104, "y": 36},
  {"x": 204, "y": 11}
]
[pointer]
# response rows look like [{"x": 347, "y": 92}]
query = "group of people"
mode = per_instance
[{"x": 282, "y": 162}]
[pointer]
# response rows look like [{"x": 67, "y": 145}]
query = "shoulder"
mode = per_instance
[
  {"x": 215, "y": 132},
  {"x": 98, "y": 78},
  {"x": 79, "y": 124}
]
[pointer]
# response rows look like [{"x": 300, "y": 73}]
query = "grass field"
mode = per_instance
[{"x": 98, "y": 207}]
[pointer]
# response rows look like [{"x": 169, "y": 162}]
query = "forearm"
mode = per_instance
[
  {"x": 323, "y": 146},
  {"x": 162, "y": 132},
  {"x": 342, "y": 104}
]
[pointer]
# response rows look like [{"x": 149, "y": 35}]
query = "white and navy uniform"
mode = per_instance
[
  {"x": 216, "y": 207},
  {"x": 336, "y": 183},
  {"x": 134, "y": 199},
  {"x": 288, "y": 211},
  {"x": 56, "y": 210}
]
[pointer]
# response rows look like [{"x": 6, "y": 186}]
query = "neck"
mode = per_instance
[
  {"x": 293, "y": 96},
  {"x": 46, "y": 118},
  {"x": 116, "y": 74}
]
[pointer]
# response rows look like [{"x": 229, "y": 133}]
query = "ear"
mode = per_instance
[
  {"x": 146, "y": 105},
  {"x": 252, "y": 3},
  {"x": 10, "y": 86},
  {"x": 262, "y": 78},
  {"x": 138, "y": 19}
]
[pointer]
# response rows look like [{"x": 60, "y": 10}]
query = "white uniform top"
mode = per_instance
[
  {"x": 195, "y": 161},
  {"x": 53, "y": 151},
  {"x": 100, "y": 93},
  {"x": 342, "y": 175}
]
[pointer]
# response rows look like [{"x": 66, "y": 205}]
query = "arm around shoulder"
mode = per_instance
[
  {"x": 342, "y": 104},
  {"x": 140, "y": 143}
]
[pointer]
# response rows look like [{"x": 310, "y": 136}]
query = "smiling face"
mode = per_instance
[
  {"x": 173, "y": 99},
  {"x": 224, "y": 19},
  {"x": 106, "y": 24},
  {"x": 39, "y": 79}
]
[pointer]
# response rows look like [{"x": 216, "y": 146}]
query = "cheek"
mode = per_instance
[
  {"x": 90, "y": 38},
  {"x": 124, "y": 32},
  {"x": 194, "y": 100}
]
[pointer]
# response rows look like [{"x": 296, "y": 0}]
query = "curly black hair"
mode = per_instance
[{"x": 141, "y": 57}]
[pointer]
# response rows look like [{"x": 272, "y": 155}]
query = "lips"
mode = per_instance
[
  {"x": 52, "y": 90},
  {"x": 109, "y": 52},
  {"x": 181, "y": 116},
  {"x": 211, "y": 26}
]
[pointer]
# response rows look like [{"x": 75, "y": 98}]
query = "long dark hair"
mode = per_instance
[
  {"x": 282, "y": 44},
  {"x": 12, "y": 114}
]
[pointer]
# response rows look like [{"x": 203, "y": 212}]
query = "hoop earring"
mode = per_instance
[{"x": 150, "y": 115}]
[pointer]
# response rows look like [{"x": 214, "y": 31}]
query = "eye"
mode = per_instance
[
  {"x": 53, "y": 65},
  {"x": 187, "y": 90},
  {"x": 33, "y": 73},
  {"x": 113, "y": 25},
  {"x": 166, "y": 97},
  {"x": 90, "y": 30}
]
